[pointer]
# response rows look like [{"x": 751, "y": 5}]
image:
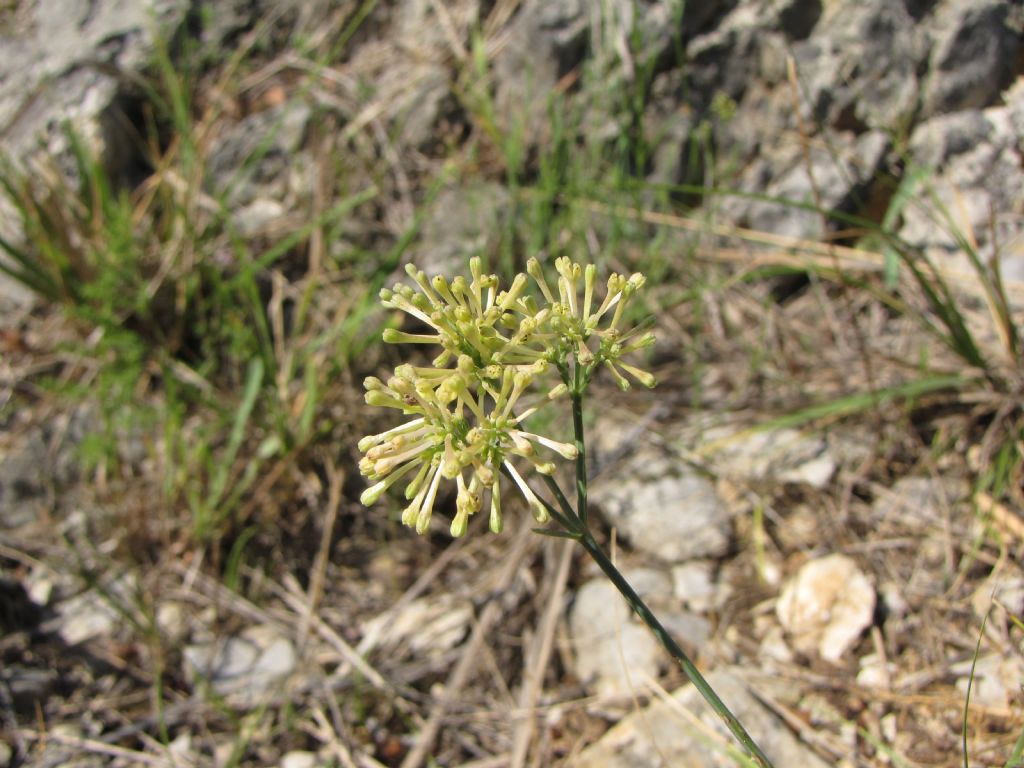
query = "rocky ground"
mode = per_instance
[{"x": 842, "y": 573}]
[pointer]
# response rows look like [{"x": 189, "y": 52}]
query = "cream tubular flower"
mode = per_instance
[
  {"x": 494, "y": 521},
  {"x": 540, "y": 514},
  {"x": 565, "y": 450}
]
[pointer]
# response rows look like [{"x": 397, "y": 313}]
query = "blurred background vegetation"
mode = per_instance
[{"x": 208, "y": 306}]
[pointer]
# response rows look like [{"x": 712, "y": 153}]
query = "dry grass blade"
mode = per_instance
[
  {"x": 789, "y": 251},
  {"x": 1008, "y": 521},
  {"x": 336, "y": 478},
  {"x": 295, "y": 601},
  {"x": 536, "y": 661},
  {"x": 470, "y": 656},
  {"x": 92, "y": 747}
]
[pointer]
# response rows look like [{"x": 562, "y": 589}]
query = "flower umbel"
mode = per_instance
[{"x": 466, "y": 410}]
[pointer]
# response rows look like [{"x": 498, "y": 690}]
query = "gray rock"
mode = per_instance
[
  {"x": 976, "y": 168},
  {"x": 691, "y": 631},
  {"x": 417, "y": 100},
  {"x": 842, "y": 165},
  {"x": 859, "y": 68},
  {"x": 64, "y": 61},
  {"x": 665, "y": 510},
  {"x": 86, "y": 617},
  {"x": 60, "y": 62},
  {"x": 782, "y": 455},
  {"x": 972, "y": 56},
  {"x": 403, "y": 80},
  {"x": 613, "y": 653},
  {"x": 670, "y": 131},
  {"x": 224, "y": 20},
  {"x": 245, "y": 667},
  {"x": 659, "y": 736},
  {"x": 653, "y": 585},
  {"x": 255, "y": 158},
  {"x": 918, "y": 503},
  {"x": 726, "y": 59},
  {"x": 544, "y": 42},
  {"x": 935, "y": 142},
  {"x": 996, "y": 680},
  {"x": 38, "y": 461},
  {"x": 693, "y": 585},
  {"x": 462, "y": 222},
  {"x": 94, "y": 613},
  {"x": 626, "y": 37}
]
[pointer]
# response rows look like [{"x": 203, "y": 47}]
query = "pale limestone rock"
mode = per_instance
[
  {"x": 674, "y": 733},
  {"x": 826, "y": 606},
  {"x": 430, "y": 625}
]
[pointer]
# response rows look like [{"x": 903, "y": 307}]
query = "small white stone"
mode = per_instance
[
  {"x": 996, "y": 680},
  {"x": 299, "y": 759},
  {"x": 85, "y": 617},
  {"x": 826, "y": 606},
  {"x": 180, "y": 751},
  {"x": 246, "y": 666},
  {"x": 39, "y": 586},
  {"x": 170, "y": 621},
  {"x": 652, "y": 584},
  {"x": 693, "y": 584},
  {"x": 613, "y": 655},
  {"x": 874, "y": 673},
  {"x": 257, "y": 216},
  {"x": 784, "y": 454},
  {"x": 774, "y": 646}
]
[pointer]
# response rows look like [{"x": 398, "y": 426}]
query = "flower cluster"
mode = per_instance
[{"x": 469, "y": 405}]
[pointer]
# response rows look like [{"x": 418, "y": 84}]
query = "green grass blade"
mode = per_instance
[
  {"x": 1017, "y": 756},
  {"x": 862, "y": 401},
  {"x": 253, "y": 383},
  {"x": 970, "y": 685}
]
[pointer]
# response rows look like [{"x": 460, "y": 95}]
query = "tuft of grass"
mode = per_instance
[{"x": 217, "y": 350}]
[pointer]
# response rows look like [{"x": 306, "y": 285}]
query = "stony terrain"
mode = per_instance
[{"x": 843, "y": 577}]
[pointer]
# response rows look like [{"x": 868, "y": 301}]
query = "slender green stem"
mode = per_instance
[
  {"x": 581, "y": 457},
  {"x": 563, "y": 502},
  {"x": 574, "y": 525},
  {"x": 670, "y": 645},
  {"x": 581, "y": 533}
]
